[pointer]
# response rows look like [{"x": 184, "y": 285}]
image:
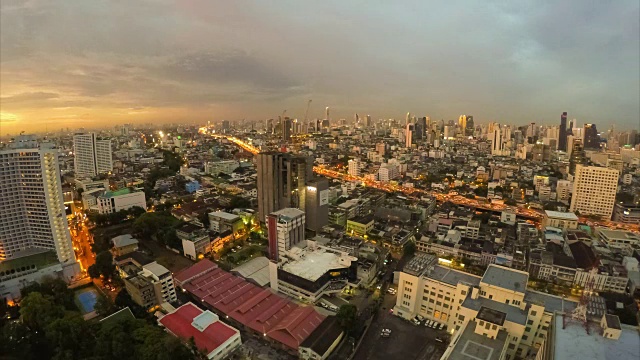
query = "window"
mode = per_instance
[
  {"x": 446, "y": 298},
  {"x": 439, "y": 296},
  {"x": 487, "y": 326},
  {"x": 530, "y": 322},
  {"x": 490, "y": 297},
  {"x": 461, "y": 317},
  {"x": 533, "y": 313},
  {"x": 524, "y": 337},
  {"x": 507, "y": 301},
  {"x": 463, "y": 292},
  {"x": 512, "y": 346},
  {"x": 446, "y": 306},
  {"x": 494, "y": 327},
  {"x": 438, "y": 303}
]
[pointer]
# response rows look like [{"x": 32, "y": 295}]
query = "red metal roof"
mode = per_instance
[
  {"x": 199, "y": 268},
  {"x": 256, "y": 308},
  {"x": 179, "y": 323}
]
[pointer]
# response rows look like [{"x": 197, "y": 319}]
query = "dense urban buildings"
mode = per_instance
[{"x": 594, "y": 190}]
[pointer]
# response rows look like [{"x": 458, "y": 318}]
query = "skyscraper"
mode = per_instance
[
  {"x": 281, "y": 181},
  {"x": 577, "y": 155},
  {"x": 562, "y": 137},
  {"x": 316, "y": 204},
  {"x": 286, "y": 129},
  {"x": 470, "y": 126},
  {"x": 31, "y": 203},
  {"x": 92, "y": 155},
  {"x": 594, "y": 190},
  {"x": 591, "y": 137},
  {"x": 409, "y": 135}
]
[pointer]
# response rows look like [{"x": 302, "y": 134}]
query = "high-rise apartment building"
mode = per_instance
[
  {"x": 285, "y": 228},
  {"x": 92, "y": 155},
  {"x": 470, "y": 126},
  {"x": 409, "y": 134},
  {"x": 34, "y": 233},
  {"x": 287, "y": 124},
  {"x": 354, "y": 167},
  {"x": 562, "y": 137},
  {"x": 31, "y": 201},
  {"x": 594, "y": 190},
  {"x": 591, "y": 137},
  {"x": 282, "y": 179},
  {"x": 317, "y": 204},
  {"x": 576, "y": 155}
]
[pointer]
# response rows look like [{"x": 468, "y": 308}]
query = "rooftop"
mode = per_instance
[
  {"x": 110, "y": 194},
  {"x": 453, "y": 277},
  {"x": 618, "y": 234},
  {"x": 33, "y": 257},
  {"x": 322, "y": 337},
  {"x": 156, "y": 269},
  {"x": 224, "y": 215},
  {"x": 189, "y": 321},
  {"x": 511, "y": 313},
  {"x": 256, "y": 269},
  {"x": 123, "y": 240},
  {"x": 505, "y": 278},
  {"x": 288, "y": 213},
  {"x": 491, "y": 315},
  {"x": 573, "y": 343},
  {"x": 472, "y": 346},
  {"x": 561, "y": 215},
  {"x": 312, "y": 264},
  {"x": 261, "y": 310}
]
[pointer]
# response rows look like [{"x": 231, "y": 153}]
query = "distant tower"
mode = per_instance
[
  {"x": 408, "y": 119},
  {"x": 562, "y": 137},
  {"x": 326, "y": 113}
]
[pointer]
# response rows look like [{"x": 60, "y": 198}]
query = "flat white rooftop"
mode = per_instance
[
  {"x": 224, "y": 215},
  {"x": 561, "y": 215},
  {"x": 311, "y": 265},
  {"x": 573, "y": 343}
]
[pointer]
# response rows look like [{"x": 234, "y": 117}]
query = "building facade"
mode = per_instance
[
  {"x": 123, "y": 199},
  {"x": 32, "y": 205},
  {"x": 92, "y": 155},
  {"x": 285, "y": 228},
  {"x": 594, "y": 190}
]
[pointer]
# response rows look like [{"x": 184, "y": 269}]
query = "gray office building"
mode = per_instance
[{"x": 317, "y": 204}]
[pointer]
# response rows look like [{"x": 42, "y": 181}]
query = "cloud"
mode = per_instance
[{"x": 503, "y": 61}]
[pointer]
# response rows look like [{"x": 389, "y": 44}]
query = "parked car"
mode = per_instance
[
  {"x": 428, "y": 323},
  {"x": 435, "y": 325},
  {"x": 439, "y": 339},
  {"x": 420, "y": 317},
  {"x": 441, "y": 326}
]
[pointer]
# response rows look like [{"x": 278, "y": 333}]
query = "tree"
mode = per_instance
[
  {"x": 104, "y": 264},
  {"x": 104, "y": 306},
  {"x": 69, "y": 337},
  {"x": 93, "y": 271},
  {"x": 409, "y": 249},
  {"x": 37, "y": 311},
  {"x": 347, "y": 315}
]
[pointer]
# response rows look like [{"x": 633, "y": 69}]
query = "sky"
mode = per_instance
[{"x": 92, "y": 63}]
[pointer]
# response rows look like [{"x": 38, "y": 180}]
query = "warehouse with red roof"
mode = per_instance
[{"x": 260, "y": 311}]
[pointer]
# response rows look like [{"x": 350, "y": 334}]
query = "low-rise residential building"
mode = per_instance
[
  {"x": 562, "y": 220},
  {"x": 220, "y": 221},
  {"x": 123, "y": 244},
  {"x": 223, "y": 166},
  {"x": 195, "y": 240},
  {"x": 360, "y": 226},
  {"x": 622, "y": 240},
  {"x": 626, "y": 213},
  {"x": 123, "y": 199},
  {"x": 215, "y": 339},
  {"x": 148, "y": 285}
]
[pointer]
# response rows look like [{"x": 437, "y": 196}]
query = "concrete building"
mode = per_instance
[
  {"x": 562, "y": 220},
  {"x": 123, "y": 245},
  {"x": 316, "y": 204},
  {"x": 388, "y": 172},
  {"x": 622, "y": 240},
  {"x": 220, "y": 221},
  {"x": 148, "y": 285},
  {"x": 195, "y": 240},
  {"x": 282, "y": 179},
  {"x": 626, "y": 213},
  {"x": 360, "y": 226},
  {"x": 563, "y": 190},
  {"x": 32, "y": 208},
  {"x": 223, "y": 166},
  {"x": 308, "y": 272},
  {"x": 215, "y": 339},
  {"x": 92, "y": 155},
  {"x": 354, "y": 167},
  {"x": 496, "y": 306},
  {"x": 123, "y": 199},
  {"x": 285, "y": 228},
  {"x": 594, "y": 190}
]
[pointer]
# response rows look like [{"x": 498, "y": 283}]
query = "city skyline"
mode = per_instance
[{"x": 78, "y": 64}]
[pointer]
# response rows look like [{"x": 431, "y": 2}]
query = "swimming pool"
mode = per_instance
[{"x": 86, "y": 299}]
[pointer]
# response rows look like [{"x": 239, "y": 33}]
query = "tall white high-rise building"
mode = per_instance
[
  {"x": 92, "y": 155},
  {"x": 497, "y": 144},
  {"x": 31, "y": 203},
  {"x": 594, "y": 190},
  {"x": 354, "y": 167}
]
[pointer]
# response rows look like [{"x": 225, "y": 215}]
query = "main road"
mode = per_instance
[{"x": 522, "y": 211}]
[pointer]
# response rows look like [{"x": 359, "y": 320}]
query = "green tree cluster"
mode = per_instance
[
  {"x": 115, "y": 218},
  {"x": 47, "y": 331},
  {"x": 103, "y": 266},
  {"x": 158, "y": 225},
  {"x": 347, "y": 316}
]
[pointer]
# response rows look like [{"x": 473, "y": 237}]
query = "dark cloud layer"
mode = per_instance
[{"x": 191, "y": 60}]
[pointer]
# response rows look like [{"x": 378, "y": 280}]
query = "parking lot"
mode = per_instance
[{"x": 406, "y": 341}]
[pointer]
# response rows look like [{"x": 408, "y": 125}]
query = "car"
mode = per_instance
[
  {"x": 428, "y": 323},
  {"x": 435, "y": 325},
  {"x": 416, "y": 321},
  {"x": 420, "y": 317},
  {"x": 238, "y": 247},
  {"x": 379, "y": 287},
  {"x": 441, "y": 326},
  {"x": 385, "y": 335},
  {"x": 439, "y": 339},
  {"x": 386, "y": 331}
]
